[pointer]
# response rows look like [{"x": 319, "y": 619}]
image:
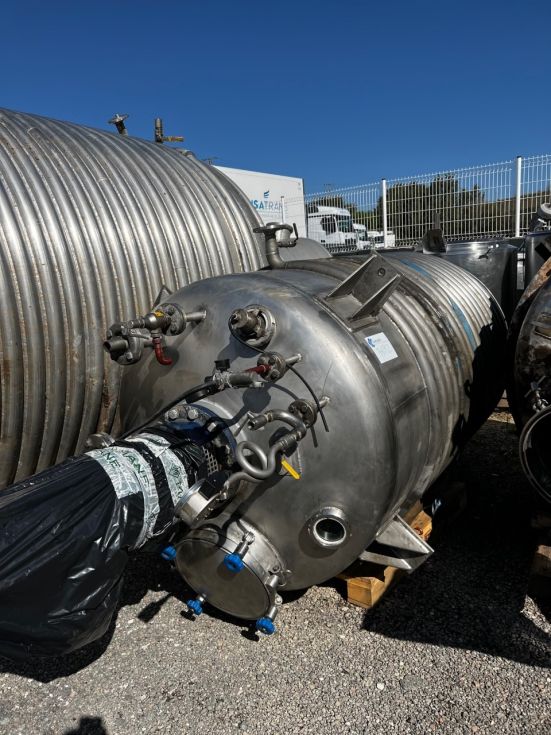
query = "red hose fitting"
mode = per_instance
[
  {"x": 259, "y": 369},
  {"x": 162, "y": 359}
]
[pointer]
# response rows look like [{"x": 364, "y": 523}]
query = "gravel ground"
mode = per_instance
[{"x": 455, "y": 648}]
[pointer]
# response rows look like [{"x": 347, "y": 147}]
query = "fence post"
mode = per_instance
[
  {"x": 385, "y": 223},
  {"x": 518, "y": 194}
]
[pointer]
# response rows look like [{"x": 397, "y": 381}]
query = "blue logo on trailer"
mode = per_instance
[{"x": 270, "y": 205}]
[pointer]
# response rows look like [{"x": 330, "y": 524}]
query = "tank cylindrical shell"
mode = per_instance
[{"x": 92, "y": 225}]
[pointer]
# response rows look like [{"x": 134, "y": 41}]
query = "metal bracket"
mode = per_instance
[
  {"x": 371, "y": 284},
  {"x": 397, "y": 545}
]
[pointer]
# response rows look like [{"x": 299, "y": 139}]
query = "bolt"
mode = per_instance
[
  {"x": 124, "y": 331},
  {"x": 170, "y": 310},
  {"x": 173, "y": 414},
  {"x": 173, "y": 329},
  {"x": 381, "y": 272},
  {"x": 192, "y": 413},
  {"x": 275, "y": 374},
  {"x": 129, "y": 355}
]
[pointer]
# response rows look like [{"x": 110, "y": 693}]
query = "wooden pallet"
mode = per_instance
[
  {"x": 366, "y": 583},
  {"x": 539, "y": 582}
]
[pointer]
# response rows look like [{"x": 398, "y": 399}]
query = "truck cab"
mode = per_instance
[
  {"x": 361, "y": 233},
  {"x": 333, "y": 227},
  {"x": 376, "y": 239}
]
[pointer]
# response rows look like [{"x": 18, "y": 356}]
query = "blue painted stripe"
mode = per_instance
[
  {"x": 416, "y": 267},
  {"x": 456, "y": 308},
  {"x": 465, "y": 324}
]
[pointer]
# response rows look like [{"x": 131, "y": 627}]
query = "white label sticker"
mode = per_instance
[{"x": 382, "y": 347}]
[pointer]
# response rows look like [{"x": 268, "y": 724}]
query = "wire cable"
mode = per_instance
[
  {"x": 207, "y": 385},
  {"x": 314, "y": 396}
]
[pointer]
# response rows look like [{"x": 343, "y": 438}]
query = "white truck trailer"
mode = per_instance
[{"x": 276, "y": 198}]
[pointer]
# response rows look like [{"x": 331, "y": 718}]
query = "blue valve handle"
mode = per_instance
[
  {"x": 266, "y": 626},
  {"x": 195, "y": 606},
  {"x": 234, "y": 563},
  {"x": 168, "y": 553}
]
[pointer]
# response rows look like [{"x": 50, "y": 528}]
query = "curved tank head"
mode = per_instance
[
  {"x": 529, "y": 383},
  {"x": 340, "y": 390}
]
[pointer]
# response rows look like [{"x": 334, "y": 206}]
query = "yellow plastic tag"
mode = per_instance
[{"x": 291, "y": 470}]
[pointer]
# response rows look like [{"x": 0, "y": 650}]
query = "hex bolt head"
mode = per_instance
[
  {"x": 192, "y": 413},
  {"x": 170, "y": 310},
  {"x": 173, "y": 414}
]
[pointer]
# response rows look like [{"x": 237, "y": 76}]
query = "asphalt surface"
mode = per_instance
[{"x": 454, "y": 648}]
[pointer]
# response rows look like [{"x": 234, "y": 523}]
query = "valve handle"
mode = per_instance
[
  {"x": 195, "y": 606},
  {"x": 168, "y": 553},
  {"x": 265, "y": 625},
  {"x": 233, "y": 562}
]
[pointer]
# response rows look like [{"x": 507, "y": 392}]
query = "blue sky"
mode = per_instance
[{"x": 336, "y": 92}]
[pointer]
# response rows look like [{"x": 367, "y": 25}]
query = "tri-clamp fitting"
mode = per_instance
[{"x": 273, "y": 366}]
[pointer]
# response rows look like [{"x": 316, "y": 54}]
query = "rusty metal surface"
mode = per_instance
[
  {"x": 92, "y": 224},
  {"x": 532, "y": 363},
  {"x": 521, "y": 362}
]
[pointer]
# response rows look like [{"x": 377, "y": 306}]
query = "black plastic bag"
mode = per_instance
[{"x": 66, "y": 532}]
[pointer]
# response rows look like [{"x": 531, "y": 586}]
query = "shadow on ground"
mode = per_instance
[
  {"x": 471, "y": 592},
  {"x": 144, "y": 572},
  {"x": 88, "y": 726}
]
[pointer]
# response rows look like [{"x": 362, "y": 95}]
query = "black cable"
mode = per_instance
[
  {"x": 314, "y": 396},
  {"x": 207, "y": 385},
  {"x": 306, "y": 383}
]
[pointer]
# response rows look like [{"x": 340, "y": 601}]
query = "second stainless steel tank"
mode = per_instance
[{"x": 92, "y": 226}]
